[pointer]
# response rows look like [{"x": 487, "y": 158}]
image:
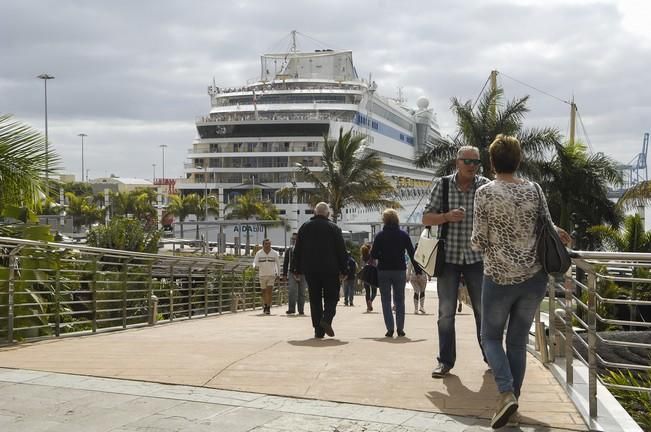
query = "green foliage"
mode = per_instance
[
  {"x": 124, "y": 234},
  {"x": 78, "y": 188},
  {"x": 637, "y": 404},
  {"x": 351, "y": 176},
  {"x": 22, "y": 164},
  {"x": 83, "y": 210},
  {"x": 577, "y": 183},
  {"x": 479, "y": 128}
]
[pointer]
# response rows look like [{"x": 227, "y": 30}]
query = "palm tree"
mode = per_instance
[
  {"x": 83, "y": 211},
  {"x": 207, "y": 205},
  {"x": 182, "y": 206},
  {"x": 638, "y": 195},
  {"x": 479, "y": 128},
  {"x": 631, "y": 238},
  {"x": 576, "y": 184},
  {"x": 250, "y": 205},
  {"x": 351, "y": 175},
  {"x": 22, "y": 164}
]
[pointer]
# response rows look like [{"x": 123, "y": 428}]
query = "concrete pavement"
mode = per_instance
[{"x": 276, "y": 355}]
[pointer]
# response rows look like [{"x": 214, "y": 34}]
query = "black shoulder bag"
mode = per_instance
[{"x": 550, "y": 250}]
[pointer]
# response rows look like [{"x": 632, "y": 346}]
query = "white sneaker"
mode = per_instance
[{"x": 422, "y": 310}]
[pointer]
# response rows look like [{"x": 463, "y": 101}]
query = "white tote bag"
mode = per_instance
[{"x": 427, "y": 251}]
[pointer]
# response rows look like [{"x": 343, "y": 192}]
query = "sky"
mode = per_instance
[{"x": 133, "y": 75}]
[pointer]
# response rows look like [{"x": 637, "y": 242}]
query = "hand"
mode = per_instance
[
  {"x": 565, "y": 237},
  {"x": 455, "y": 215}
]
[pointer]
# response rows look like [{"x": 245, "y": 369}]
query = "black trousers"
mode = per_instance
[{"x": 324, "y": 295}]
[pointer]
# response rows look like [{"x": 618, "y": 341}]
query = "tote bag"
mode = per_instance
[{"x": 430, "y": 253}]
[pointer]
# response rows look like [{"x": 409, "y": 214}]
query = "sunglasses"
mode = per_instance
[{"x": 475, "y": 162}]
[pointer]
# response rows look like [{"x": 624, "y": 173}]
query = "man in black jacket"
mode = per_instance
[{"x": 321, "y": 256}]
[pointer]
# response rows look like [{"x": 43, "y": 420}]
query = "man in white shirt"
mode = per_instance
[{"x": 267, "y": 261}]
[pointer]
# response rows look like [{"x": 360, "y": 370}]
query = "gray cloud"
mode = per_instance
[{"x": 133, "y": 75}]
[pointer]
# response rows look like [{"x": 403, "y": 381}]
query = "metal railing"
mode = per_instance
[
  {"x": 582, "y": 317},
  {"x": 52, "y": 290}
]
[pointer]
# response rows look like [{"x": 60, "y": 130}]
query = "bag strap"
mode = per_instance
[
  {"x": 445, "y": 205},
  {"x": 541, "y": 209}
]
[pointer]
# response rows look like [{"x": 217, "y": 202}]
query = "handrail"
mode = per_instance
[
  {"x": 579, "y": 320},
  {"x": 52, "y": 290}
]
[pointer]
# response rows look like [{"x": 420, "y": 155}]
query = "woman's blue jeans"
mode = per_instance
[
  {"x": 516, "y": 303},
  {"x": 395, "y": 279}
]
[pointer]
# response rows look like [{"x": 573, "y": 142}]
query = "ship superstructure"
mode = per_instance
[{"x": 255, "y": 134}]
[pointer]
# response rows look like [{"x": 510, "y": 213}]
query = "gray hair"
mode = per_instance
[
  {"x": 465, "y": 149},
  {"x": 322, "y": 209}
]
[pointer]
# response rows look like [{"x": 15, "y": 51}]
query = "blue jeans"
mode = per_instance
[
  {"x": 395, "y": 279},
  {"x": 516, "y": 303},
  {"x": 296, "y": 293},
  {"x": 447, "y": 287},
  {"x": 349, "y": 291}
]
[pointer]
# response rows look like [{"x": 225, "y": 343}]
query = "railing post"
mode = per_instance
[
  {"x": 125, "y": 268},
  {"x": 592, "y": 343},
  {"x": 551, "y": 290},
  {"x": 13, "y": 261},
  {"x": 57, "y": 296},
  {"x": 190, "y": 291},
  {"x": 569, "y": 332},
  {"x": 220, "y": 289},
  {"x": 153, "y": 310},
  {"x": 172, "y": 284},
  {"x": 93, "y": 294},
  {"x": 206, "y": 273}
]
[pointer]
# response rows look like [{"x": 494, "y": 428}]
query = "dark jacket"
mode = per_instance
[
  {"x": 320, "y": 248},
  {"x": 389, "y": 248},
  {"x": 351, "y": 271},
  {"x": 288, "y": 260}
]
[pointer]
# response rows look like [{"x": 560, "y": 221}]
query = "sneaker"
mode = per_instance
[
  {"x": 267, "y": 310},
  {"x": 440, "y": 370},
  {"x": 401, "y": 333},
  {"x": 301, "y": 313},
  {"x": 515, "y": 420},
  {"x": 389, "y": 333},
  {"x": 289, "y": 312},
  {"x": 422, "y": 310},
  {"x": 327, "y": 328},
  {"x": 507, "y": 404},
  {"x": 319, "y": 334}
]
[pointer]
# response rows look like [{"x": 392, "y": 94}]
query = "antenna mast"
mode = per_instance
[{"x": 293, "y": 48}]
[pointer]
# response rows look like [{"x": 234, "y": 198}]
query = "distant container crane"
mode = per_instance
[{"x": 634, "y": 172}]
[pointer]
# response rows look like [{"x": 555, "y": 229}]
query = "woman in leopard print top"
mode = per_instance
[{"x": 505, "y": 215}]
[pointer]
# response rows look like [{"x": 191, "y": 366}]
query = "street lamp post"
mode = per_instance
[
  {"x": 153, "y": 179},
  {"x": 82, "y": 135},
  {"x": 46, "y": 77},
  {"x": 205, "y": 189},
  {"x": 163, "y": 147}
]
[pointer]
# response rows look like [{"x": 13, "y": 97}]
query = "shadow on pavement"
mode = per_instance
[
  {"x": 318, "y": 343},
  {"x": 399, "y": 340}
]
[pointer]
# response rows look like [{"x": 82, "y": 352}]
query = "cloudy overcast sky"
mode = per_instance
[{"x": 133, "y": 74}]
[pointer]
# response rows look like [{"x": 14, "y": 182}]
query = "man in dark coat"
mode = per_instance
[{"x": 321, "y": 256}]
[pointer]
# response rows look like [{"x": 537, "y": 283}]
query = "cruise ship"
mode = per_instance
[{"x": 255, "y": 134}]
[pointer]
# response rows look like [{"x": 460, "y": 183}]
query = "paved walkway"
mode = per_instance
[{"x": 276, "y": 355}]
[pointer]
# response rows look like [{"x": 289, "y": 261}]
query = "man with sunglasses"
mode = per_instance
[{"x": 460, "y": 259}]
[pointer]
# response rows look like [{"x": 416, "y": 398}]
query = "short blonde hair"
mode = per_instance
[
  {"x": 505, "y": 154},
  {"x": 390, "y": 216}
]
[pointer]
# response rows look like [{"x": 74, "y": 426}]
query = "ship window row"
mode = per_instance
[
  {"x": 253, "y": 147},
  {"x": 251, "y": 116},
  {"x": 244, "y": 178},
  {"x": 392, "y": 117},
  {"x": 289, "y": 99},
  {"x": 260, "y": 162}
]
